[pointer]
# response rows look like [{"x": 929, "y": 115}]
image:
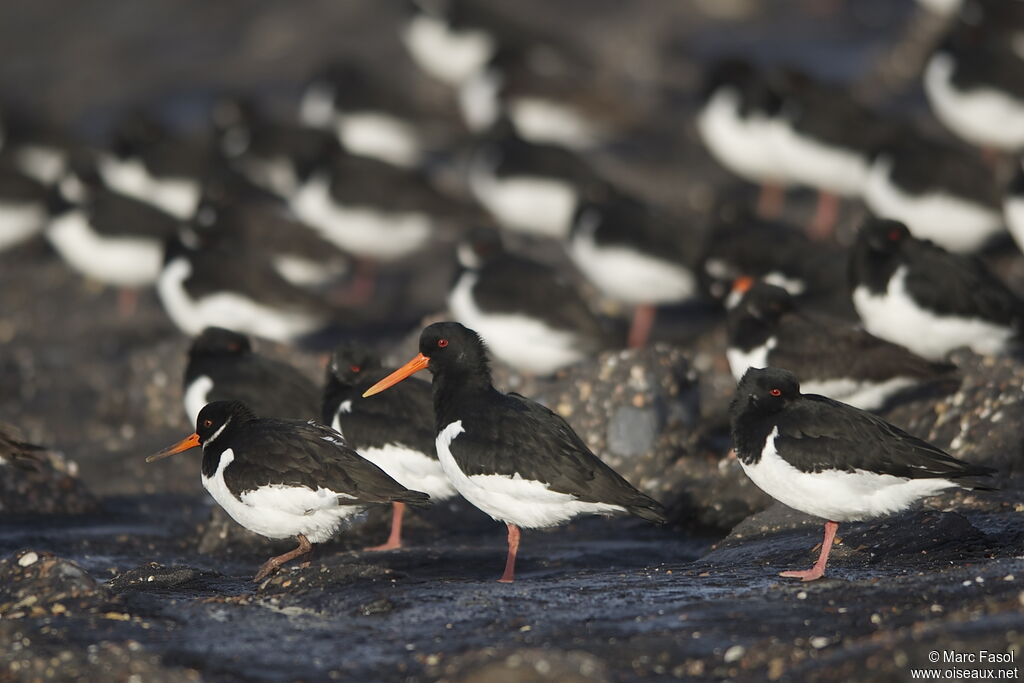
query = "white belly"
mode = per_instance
[
  {"x": 412, "y": 469},
  {"x": 837, "y": 496},
  {"x": 514, "y": 500},
  {"x": 548, "y": 122},
  {"x": 982, "y": 116},
  {"x": 281, "y": 511},
  {"x": 740, "y": 361},
  {"x": 951, "y": 222},
  {"x": 177, "y": 196},
  {"x": 122, "y": 261},
  {"x": 629, "y": 276},
  {"x": 533, "y": 205},
  {"x": 895, "y": 317},
  {"x": 226, "y": 309},
  {"x": 863, "y": 395},
  {"x": 741, "y": 145},
  {"x": 20, "y": 221},
  {"x": 45, "y": 164},
  {"x": 365, "y": 232},
  {"x": 447, "y": 55},
  {"x": 380, "y": 136},
  {"x": 197, "y": 396},
  {"x": 811, "y": 163},
  {"x": 524, "y": 343}
]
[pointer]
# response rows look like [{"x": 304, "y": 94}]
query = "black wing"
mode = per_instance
[
  {"x": 308, "y": 454},
  {"x": 115, "y": 214},
  {"x": 515, "y": 435},
  {"x": 817, "y": 433},
  {"x": 267, "y": 387}
]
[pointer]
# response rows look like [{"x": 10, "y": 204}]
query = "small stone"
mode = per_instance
[
  {"x": 734, "y": 653},
  {"x": 818, "y": 642},
  {"x": 28, "y": 559}
]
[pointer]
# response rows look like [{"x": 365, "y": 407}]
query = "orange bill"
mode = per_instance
[
  {"x": 743, "y": 284},
  {"x": 183, "y": 445},
  {"x": 420, "y": 362}
]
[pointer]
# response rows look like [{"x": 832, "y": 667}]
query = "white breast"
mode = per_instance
[
  {"x": 20, "y": 221},
  {"x": 630, "y": 276},
  {"x": 741, "y": 145},
  {"x": 834, "y": 495},
  {"x": 982, "y": 116},
  {"x": 45, "y": 164},
  {"x": 447, "y": 55},
  {"x": 548, "y": 122},
  {"x": 740, "y": 361},
  {"x": 381, "y": 136},
  {"x": 529, "y": 204},
  {"x": 278, "y": 511},
  {"x": 177, "y": 196},
  {"x": 952, "y": 222},
  {"x": 525, "y": 343},
  {"x": 525, "y": 503},
  {"x": 122, "y": 261},
  {"x": 478, "y": 100},
  {"x": 226, "y": 309},
  {"x": 381, "y": 235},
  {"x": 196, "y": 396},
  {"x": 894, "y": 316}
]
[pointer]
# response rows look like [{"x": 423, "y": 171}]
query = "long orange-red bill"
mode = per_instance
[
  {"x": 420, "y": 362},
  {"x": 183, "y": 445},
  {"x": 742, "y": 284}
]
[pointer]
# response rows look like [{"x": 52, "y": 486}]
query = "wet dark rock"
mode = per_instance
[
  {"x": 34, "y": 583},
  {"x": 982, "y": 422},
  {"x": 38, "y": 481},
  {"x": 374, "y": 607},
  {"x": 530, "y": 665},
  {"x": 154, "y": 575}
]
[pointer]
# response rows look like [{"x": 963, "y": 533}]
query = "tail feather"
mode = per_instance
[
  {"x": 647, "y": 508},
  {"x": 414, "y": 498}
]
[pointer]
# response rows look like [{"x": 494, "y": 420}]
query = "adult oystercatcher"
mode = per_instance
[
  {"x": 529, "y": 315},
  {"x": 222, "y": 366},
  {"x": 284, "y": 478},
  {"x": 829, "y": 355},
  {"x": 916, "y": 294},
  {"x": 511, "y": 457},
  {"x": 831, "y": 460},
  {"x": 395, "y": 431},
  {"x": 635, "y": 253}
]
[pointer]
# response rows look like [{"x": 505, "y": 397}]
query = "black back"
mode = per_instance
[{"x": 921, "y": 165}]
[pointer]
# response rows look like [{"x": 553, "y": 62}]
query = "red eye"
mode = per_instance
[
  {"x": 775, "y": 392},
  {"x": 442, "y": 343},
  {"x": 207, "y": 423},
  {"x": 354, "y": 368},
  {"x": 894, "y": 235}
]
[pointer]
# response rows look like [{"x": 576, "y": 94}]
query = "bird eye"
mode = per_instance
[
  {"x": 894, "y": 235},
  {"x": 442, "y": 343},
  {"x": 207, "y": 423},
  {"x": 775, "y": 392},
  {"x": 354, "y": 368}
]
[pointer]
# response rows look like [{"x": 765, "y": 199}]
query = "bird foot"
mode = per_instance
[
  {"x": 266, "y": 569},
  {"x": 506, "y": 579},
  {"x": 811, "y": 574},
  {"x": 390, "y": 545}
]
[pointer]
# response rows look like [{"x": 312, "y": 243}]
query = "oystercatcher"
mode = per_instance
[
  {"x": 223, "y": 367},
  {"x": 284, "y": 478},
  {"x": 150, "y": 163},
  {"x": 944, "y": 193},
  {"x": 831, "y": 460},
  {"x": 973, "y": 81},
  {"x": 34, "y": 146},
  {"x": 824, "y": 139},
  {"x": 107, "y": 236},
  {"x": 635, "y": 253},
  {"x": 528, "y": 187},
  {"x": 739, "y": 107},
  {"x": 208, "y": 281},
  {"x": 529, "y": 315},
  {"x": 368, "y": 118},
  {"x": 395, "y": 431},
  {"x": 916, "y": 294},
  {"x": 828, "y": 355},
  {"x": 511, "y": 457}
]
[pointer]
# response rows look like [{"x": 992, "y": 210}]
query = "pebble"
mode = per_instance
[{"x": 28, "y": 559}]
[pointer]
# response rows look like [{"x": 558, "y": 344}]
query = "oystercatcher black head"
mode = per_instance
[
  {"x": 831, "y": 460},
  {"x": 914, "y": 293},
  {"x": 222, "y": 366},
  {"x": 514, "y": 459},
  {"x": 394, "y": 431},
  {"x": 284, "y": 478},
  {"x": 831, "y": 357}
]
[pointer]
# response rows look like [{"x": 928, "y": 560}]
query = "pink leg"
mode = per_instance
[
  {"x": 395, "y": 538},
  {"x": 273, "y": 563},
  {"x": 771, "y": 200},
  {"x": 640, "y": 330},
  {"x": 818, "y": 570},
  {"x": 127, "y": 302},
  {"x": 825, "y": 216},
  {"x": 510, "y": 562}
]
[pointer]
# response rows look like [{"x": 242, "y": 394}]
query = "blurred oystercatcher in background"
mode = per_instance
[
  {"x": 284, "y": 478},
  {"x": 833, "y": 461},
  {"x": 511, "y": 457},
  {"x": 394, "y": 431}
]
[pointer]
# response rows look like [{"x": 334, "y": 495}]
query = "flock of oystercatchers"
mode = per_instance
[{"x": 250, "y": 231}]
